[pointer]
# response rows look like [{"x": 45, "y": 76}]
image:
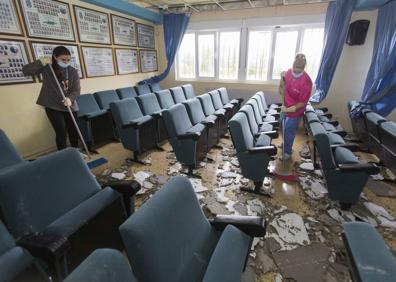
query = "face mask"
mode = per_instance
[
  {"x": 62, "y": 64},
  {"x": 297, "y": 75}
]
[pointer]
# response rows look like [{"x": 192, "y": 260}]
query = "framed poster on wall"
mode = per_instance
[
  {"x": 146, "y": 38},
  {"x": 148, "y": 60},
  {"x": 48, "y": 19},
  {"x": 127, "y": 60},
  {"x": 124, "y": 31},
  {"x": 92, "y": 26},
  {"x": 40, "y": 49},
  {"x": 9, "y": 21},
  {"x": 98, "y": 61},
  {"x": 13, "y": 57}
]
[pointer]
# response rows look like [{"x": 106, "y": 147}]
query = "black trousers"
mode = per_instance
[{"x": 63, "y": 126}]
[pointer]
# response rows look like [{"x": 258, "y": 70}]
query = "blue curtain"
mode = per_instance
[
  {"x": 380, "y": 87},
  {"x": 175, "y": 26},
  {"x": 337, "y": 21}
]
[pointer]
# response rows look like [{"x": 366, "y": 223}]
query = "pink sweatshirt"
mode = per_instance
[{"x": 297, "y": 91}]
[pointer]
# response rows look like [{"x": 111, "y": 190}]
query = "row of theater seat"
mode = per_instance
[
  {"x": 378, "y": 133},
  {"x": 252, "y": 130},
  {"x": 193, "y": 124},
  {"x": 54, "y": 214},
  {"x": 346, "y": 176}
]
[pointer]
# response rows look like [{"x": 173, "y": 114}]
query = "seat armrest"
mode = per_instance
[
  {"x": 369, "y": 168},
  {"x": 324, "y": 109},
  {"x": 240, "y": 100},
  {"x": 278, "y": 104},
  {"x": 269, "y": 150},
  {"x": 352, "y": 147},
  {"x": 156, "y": 115},
  {"x": 342, "y": 133},
  {"x": 49, "y": 247},
  {"x": 273, "y": 123},
  {"x": 190, "y": 135},
  {"x": 274, "y": 115},
  {"x": 254, "y": 226},
  {"x": 208, "y": 123},
  {"x": 127, "y": 188},
  {"x": 135, "y": 124},
  {"x": 328, "y": 115},
  {"x": 333, "y": 122},
  {"x": 273, "y": 134}
]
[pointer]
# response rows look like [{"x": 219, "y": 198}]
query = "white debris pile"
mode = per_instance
[
  {"x": 197, "y": 185},
  {"x": 118, "y": 175},
  {"x": 290, "y": 231},
  {"x": 174, "y": 169},
  {"x": 308, "y": 166},
  {"x": 255, "y": 207},
  {"x": 313, "y": 187},
  {"x": 386, "y": 220},
  {"x": 305, "y": 153},
  {"x": 142, "y": 178}
]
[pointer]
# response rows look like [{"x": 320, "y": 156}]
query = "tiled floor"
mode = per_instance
[{"x": 324, "y": 253}]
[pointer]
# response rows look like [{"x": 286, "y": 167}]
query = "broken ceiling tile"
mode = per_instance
[
  {"x": 380, "y": 188},
  {"x": 307, "y": 166},
  {"x": 141, "y": 176},
  {"x": 367, "y": 157},
  {"x": 147, "y": 184},
  {"x": 378, "y": 210},
  {"x": 240, "y": 208},
  {"x": 280, "y": 210},
  {"x": 308, "y": 263},
  {"x": 197, "y": 185},
  {"x": 278, "y": 278},
  {"x": 234, "y": 162},
  {"x": 313, "y": 188},
  {"x": 118, "y": 175},
  {"x": 305, "y": 152},
  {"x": 336, "y": 215},
  {"x": 290, "y": 231},
  {"x": 387, "y": 174},
  {"x": 226, "y": 182},
  {"x": 386, "y": 222},
  {"x": 162, "y": 179},
  {"x": 220, "y": 197},
  {"x": 147, "y": 161},
  {"x": 264, "y": 262},
  {"x": 255, "y": 206},
  {"x": 228, "y": 174},
  {"x": 377, "y": 176},
  {"x": 174, "y": 169}
]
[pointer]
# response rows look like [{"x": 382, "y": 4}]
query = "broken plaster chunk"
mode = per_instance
[
  {"x": 378, "y": 211},
  {"x": 335, "y": 214},
  {"x": 255, "y": 207},
  {"x": 226, "y": 182},
  {"x": 118, "y": 175},
  {"x": 220, "y": 197},
  {"x": 254, "y": 243},
  {"x": 384, "y": 222},
  {"x": 307, "y": 166},
  {"x": 377, "y": 176},
  {"x": 228, "y": 174},
  {"x": 141, "y": 176},
  {"x": 197, "y": 185}
]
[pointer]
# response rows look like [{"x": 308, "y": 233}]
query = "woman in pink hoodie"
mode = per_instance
[{"x": 298, "y": 87}]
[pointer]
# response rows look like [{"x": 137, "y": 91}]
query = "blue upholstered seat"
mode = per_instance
[
  {"x": 178, "y": 94},
  {"x": 8, "y": 153},
  {"x": 209, "y": 109},
  {"x": 126, "y": 92},
  {"x": 188, "y": 91},
  {"x": 142, "y": 89},
  {"x": 154, "y": 87},
  {"x": 165, "y": 98},
  {"x": 104, "y": 98},
  {"x": 170, "y": 239}
]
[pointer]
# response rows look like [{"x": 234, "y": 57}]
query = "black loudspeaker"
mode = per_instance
[{"x": 357, "y": 32}]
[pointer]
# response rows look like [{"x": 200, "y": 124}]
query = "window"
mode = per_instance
[
  {"x": 206, "y": 51},
  {"x": 186, "y": 57},
  {"x": 258, "y": 58},
  {"x": 248, "y": 54},
  {"x": 285, "y": 51},
  {"x": 229, "y": 55},
  {"x": 312, "y": 45}
]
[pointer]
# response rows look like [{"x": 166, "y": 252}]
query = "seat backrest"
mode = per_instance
[
  {"x": 216, "y": 99},
  {"x": 176, "y": 120},
  {"x": 104, "y": 98},
  {"x": 311, "y": 117},
  {"x": 188, "y": 91},
  {"x": 169, "y": 237},
  {"x": 178, "y": 94},
  {"x": 224, "y": 95},
  {"x": 142, "y": 89},
  {"x": 259, "y": 104},
  {"x": 240, "y": 133},
  {"x": 374, "y": 117},
  {"x": 165, "y": 98},
  {"x": 126, "y": 92},
  {"x": 207, "y": 104},
  {"x": 322, "y": 145},
  {"x": 248, "y": 110},
  {"x": 194, "y": 110},
  {"x": 389, "y": 127},
  {"x": 262, "y": 97},
  {"x": 148, "y": 103},
  {"x": 87, "y": 104},
  {"x": 6, "y": 240},
  {"x": 256, "y": 111},
  {"x": 125, "y": 111},
  {"x": 155, "y": 87},
  {"x": 35, "y": 194},
  {"x": 8, "y": 154}
]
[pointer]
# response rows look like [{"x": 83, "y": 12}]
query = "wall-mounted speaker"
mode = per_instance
[{"x": 357, "y": 32}]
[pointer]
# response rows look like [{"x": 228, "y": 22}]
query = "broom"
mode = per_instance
[
  {"x": 93, "y": 163},
  {"x": 283, "y": 174}
]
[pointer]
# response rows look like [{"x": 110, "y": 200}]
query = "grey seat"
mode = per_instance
[
  {"x": 255, "y": 128},
  {"x": 189, "y": 142},
  {"x": 218, "y": 104},
  {"x": 373, "y": 121},
  {"x": 9, "y": 156},
  {"x": 104, "y": 98},
  {"x": 253, "y": 154},
  {"x": 74, "y": 211},
  {"x": 165, "y": 98},
  {"x": 96, "y": 124},
  {"x": 209, "y": 109},
  {"x": 196, "y": 114},
  {"x": 388, "y": 136},
  {"x": 234, "y": 104},
  {"x": 126, "y": 92},
  {"x": 275, "y": 106},
  {"x": 170, "y": 239},
  {"x": 150, "y": 106},
  {"x": 264, "y": 110},
  {"x": 155, "y": 87},
  {"x": 257, "y": 114},
  {"x": 368, "y": 254},
  {"x": 178, "y": 94},
  {"x": 135, "y": 129},
  {"x": 142, "y": 89},
  {"x": 188, "y": 91}
]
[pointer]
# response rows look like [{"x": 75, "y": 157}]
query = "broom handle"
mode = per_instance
[
  {"x": 283, "y": 123},
  {"x": 70, "y": 112}
]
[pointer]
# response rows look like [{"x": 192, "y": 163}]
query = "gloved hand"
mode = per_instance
[
  {"x": 67, "y": 102},
  {"x": 45, "y": 60},
  {"x": 291, "y": 109}
]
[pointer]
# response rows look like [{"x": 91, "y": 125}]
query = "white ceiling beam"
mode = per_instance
[
  {"x": 251, "y": 3},
  {"x": 218, "y": 4},
  {"x": 191, "y": 7}
]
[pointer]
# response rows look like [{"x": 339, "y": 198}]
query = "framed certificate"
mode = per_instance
[
  {"x": 145, "y": 36},
  {"x": 13, "y": 57},
  {"x": 124, "y": 31},
  {"x": 40, "y": 49},
  {"x": 98, "y": 61},
  {"x": 92, "y": 26},
  {"x": 9, "y": 21},
  {"x": 49, "y": 19},
  {"x": 148, "y": 60},
  {"x": 127, "y": 60}
]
